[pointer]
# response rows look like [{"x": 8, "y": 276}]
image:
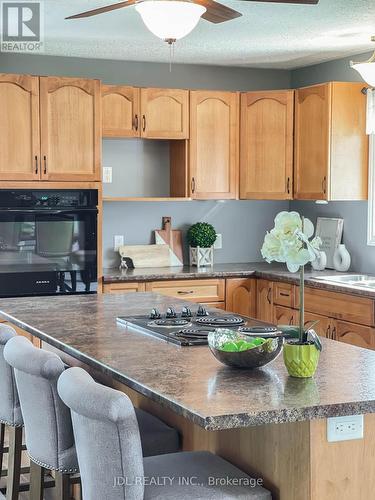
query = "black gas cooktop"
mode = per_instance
[{"x": 187, "y": 328}]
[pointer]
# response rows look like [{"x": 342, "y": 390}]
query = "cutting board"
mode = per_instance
[
  {"x": 147, "y": 255},
  {"x": 172, "y": 238}
]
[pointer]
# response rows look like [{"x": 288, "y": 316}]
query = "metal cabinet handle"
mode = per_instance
[
  {"x": 328, "y": 332},
  {"x": 45, "y": 163},
  {"x": 324, "y": 184},
  {"x": 185, "y": 292},
  {"x": 284, "y": 294},
  {"x": 36, "y": 164},
  {"x": 136, "y": 123},
  {"x": 192, "y": 184},
  {"x": 288, "y": 185},
  {"x": 269, "y": 295},
  {"x": 291, "y": 321},
  {"x": 143, "y": 122}
]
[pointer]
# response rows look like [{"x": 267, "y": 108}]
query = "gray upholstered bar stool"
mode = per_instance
[
  {"x": 49, "y": 433},
  {"x": 112, "y": 466},
  {"x": 10, "y": 418}
]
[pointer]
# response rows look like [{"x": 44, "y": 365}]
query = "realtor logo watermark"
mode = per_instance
[{"x": 22, "y": 27}]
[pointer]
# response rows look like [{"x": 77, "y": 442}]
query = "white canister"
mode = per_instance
[{"x": 341, "y": 259}]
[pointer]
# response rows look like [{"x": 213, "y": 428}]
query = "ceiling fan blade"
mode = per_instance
[
  {"x": 101, "y": 10},
  {"x": 301, "y": 2},
  {"x": 217, "y": 12}
]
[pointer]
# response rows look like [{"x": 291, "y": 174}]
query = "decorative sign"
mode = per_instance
[{"x": 330, "y": 231}]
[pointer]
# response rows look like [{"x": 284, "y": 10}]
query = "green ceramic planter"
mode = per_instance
[{"x": 301, "y": 361}]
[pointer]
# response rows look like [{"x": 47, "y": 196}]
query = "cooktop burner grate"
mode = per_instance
[
  {"x": 220, "y": 321},
  {"x": 171, "y": 322}
]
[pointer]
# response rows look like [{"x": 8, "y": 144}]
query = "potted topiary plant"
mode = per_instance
[
  {"x": 289, "y": 242},
  {"x": 201, "y": 238}
]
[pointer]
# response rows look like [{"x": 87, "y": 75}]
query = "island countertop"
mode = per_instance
[{"x": 189, "y": 380}]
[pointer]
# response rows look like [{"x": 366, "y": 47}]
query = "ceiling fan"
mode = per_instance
[{"x": 171, "y": 20}]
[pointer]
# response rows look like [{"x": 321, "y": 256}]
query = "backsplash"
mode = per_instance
[
  {"x": 354, "y": 214},
  {"x": 241, "y": 223}
]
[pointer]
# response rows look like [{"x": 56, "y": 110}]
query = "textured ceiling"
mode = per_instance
[{"x": 267, "y": 35}]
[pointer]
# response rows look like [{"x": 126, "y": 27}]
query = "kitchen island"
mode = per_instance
[{"x": 263, "y": 421}]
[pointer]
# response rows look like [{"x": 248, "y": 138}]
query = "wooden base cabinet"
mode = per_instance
[
  {"x": 265, "y": 301},
  {"x": 124, "y": 287},
  {"x": 359, "y": 335},
  {"x": 266, "y": 145},
  {"x": 240, "y": 297},
  {"x": 331, "y": 146}
]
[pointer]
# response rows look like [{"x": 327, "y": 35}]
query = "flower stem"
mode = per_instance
[{"x": 302, "y": 335}]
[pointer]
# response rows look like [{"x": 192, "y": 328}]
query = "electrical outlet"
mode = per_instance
[
  {"x": 118, "y": 241},
  {"x": 344, "y": 428},
  {"x": 107, "y": 175},
  {"x": 219, "y": 242}
]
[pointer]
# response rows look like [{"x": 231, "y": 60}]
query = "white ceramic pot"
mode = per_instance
[
  {"x": 341, "y": 259},
  {"x": 319, "y": 264}
]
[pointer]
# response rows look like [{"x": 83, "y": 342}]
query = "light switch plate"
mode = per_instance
[
  {"x": 219, "y": 242},
  {"x": 118, "y": 241},
  {"x": 107, "y": 175},
  {"x": 344, "y": 428}
]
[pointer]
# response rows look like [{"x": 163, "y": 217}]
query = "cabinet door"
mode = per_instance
[
  {"x": 241, "y": 296},
  {"x": 265, "y": 300},
  {"x": 266, "y": 145},
  {"x": 312, "y": 142},
  {"x": 325, "y": 327},
  {"x": 19, "y": 127},
  {"x": 285, "y": 316},
  {"x": 165, "y": 113},
  {"x": 362, "y": 336},
  {"x": 120, "y": 107},
  {"x": 70, "y": 128},
  {"x": 214, "y": 144}
]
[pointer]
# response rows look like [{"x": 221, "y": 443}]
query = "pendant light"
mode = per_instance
[
  {"x": 366, "y": 69},
  {"x": 170, "y": 20}
]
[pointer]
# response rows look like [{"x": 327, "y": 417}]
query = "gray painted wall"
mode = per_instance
[
  {"x": 354, "y": 213},
  {"x": 242, "y": 224},
  {"x": 148, "y": 74}
]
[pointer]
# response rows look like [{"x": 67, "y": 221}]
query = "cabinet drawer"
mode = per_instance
[
  {"x": 124, "y": 287},
  {"x": 194, "y": 290},
  {"x": 283, "y": 294},
  {"x": 362, "y": 336},
  {"x": 217, "y": 305},
  {"x": 339, "y": 305}
]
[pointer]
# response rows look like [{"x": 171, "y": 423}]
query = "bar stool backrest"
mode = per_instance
[
  {"x": 48, "y": 426},
  {"x": 10, "y": 410},
  {"x": 107, "y": 438}
]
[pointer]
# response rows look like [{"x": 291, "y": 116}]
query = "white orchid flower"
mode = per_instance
[{"x": 289, "y": 241}]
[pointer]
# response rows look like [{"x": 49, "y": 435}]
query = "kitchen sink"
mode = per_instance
[{"x": 362, "y": 280}]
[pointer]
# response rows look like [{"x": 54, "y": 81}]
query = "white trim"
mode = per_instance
[{"x": 371, "y": 194}]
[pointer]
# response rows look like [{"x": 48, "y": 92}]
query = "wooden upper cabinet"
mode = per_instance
[
  {"x": 331, "y": 146},
  {"x": 266, "y": 145},
  {"x": 214, "y": 137},
  {"x": 19, "y": 127},
  {"x": 121, "y": 111},
  {"x": 165, "y": 113},
  {"x": 241, "y": 296},
  {"x": 70, "y": 129}
]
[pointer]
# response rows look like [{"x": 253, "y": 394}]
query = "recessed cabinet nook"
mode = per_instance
[{"x": 308, "y": 143}]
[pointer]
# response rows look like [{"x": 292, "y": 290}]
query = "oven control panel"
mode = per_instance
[{"x": 80, "y": 198}]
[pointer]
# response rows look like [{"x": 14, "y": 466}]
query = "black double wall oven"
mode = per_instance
[{"x": 48, "y": 242}]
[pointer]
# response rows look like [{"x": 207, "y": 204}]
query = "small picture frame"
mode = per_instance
[{"x": 330, "y": 230}]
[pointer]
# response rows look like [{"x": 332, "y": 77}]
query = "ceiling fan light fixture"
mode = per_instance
[
  {"x": 170, "y": 20},
  {"x": 366, "y": 69}
]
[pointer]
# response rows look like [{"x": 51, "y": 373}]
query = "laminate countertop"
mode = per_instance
[
  {"x": 261, "y": 270},
  {"x": 189, "y": 380}
]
